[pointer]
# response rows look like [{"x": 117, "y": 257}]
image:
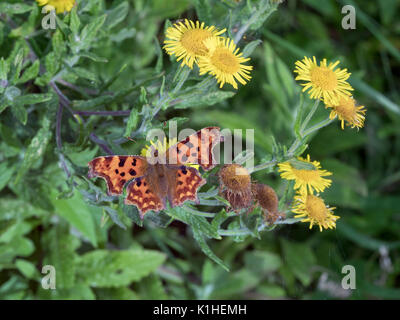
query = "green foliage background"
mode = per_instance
[{"x": 104, "y": 58}]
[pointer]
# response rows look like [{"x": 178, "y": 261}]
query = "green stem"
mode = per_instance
[
  {"x": 263, "y": 166},
  {"x": 309, "y": 116},
  {"x": 318, "y": 126},
  {"x": 182, "y": 79}
]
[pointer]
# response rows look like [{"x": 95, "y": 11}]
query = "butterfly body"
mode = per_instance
[{"x": 150, "y": 184}]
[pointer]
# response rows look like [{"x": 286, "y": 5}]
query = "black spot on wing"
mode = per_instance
[{"x": 121, "y": 161}]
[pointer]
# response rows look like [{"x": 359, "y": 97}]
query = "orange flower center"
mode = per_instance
[
  {"x": 316, "y": 208},
  {"x": 346, "y": 109},
  {"x": 225, "y": 61},
  {"x": 193, "y": 39},
  {"x": 324, "y": 78}
]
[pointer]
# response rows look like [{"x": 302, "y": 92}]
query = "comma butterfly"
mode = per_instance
[{"x": 150, "y": 185}]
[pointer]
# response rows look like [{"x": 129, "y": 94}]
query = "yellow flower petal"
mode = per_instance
[
  {"x": 224, "y": 62},
  {"x": 59, "y": 5},
  {"x": 323, "y": 81},
  {"x": 346, "y": 110},
  {"x": 185, "y": 40},
  {"x": 314, "y": 210},
  {"x": 307, "y": 175}
]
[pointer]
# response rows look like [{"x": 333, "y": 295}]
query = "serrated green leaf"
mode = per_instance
[{"x": 198, "y": 236}]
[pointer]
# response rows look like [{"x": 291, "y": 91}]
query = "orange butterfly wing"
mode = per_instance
[
  {"x": 117, "y": 170},
  {"x": 140, "y": 194},
  {"x": 187, "y": 181},
  {"x": 196, "y": 149}
]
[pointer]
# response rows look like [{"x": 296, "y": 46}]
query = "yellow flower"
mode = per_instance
[
  {"x": 346, "y": 110},
  {"x": 60, "y": 5},
  {"x": 308, "y": 175},
  {"x": 224, "y": 62},
  {"x": 162, "y": 148},
  {"x": 323, "y": 81},
  {"x": 314, "y": 210},
  {"x": 185, "y": 40}
]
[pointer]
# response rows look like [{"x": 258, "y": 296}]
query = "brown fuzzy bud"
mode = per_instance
[
  {"x": 235, "y": 186},
  {"x": 235, "y": 177},
  {"x": 268, "y": 200}
]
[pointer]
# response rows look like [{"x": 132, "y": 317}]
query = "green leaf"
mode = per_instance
[
  {"x": 33, "y": 98},
  {"x": 151, "y": 288},
  {"x": 6, "y": 173},
  {"x": 78, "y": 214},
  {"x": 27, "y": 268},
  {"x": 15, "y": 8},
  {"x": 116, "y": 15},
  {"x": 18, "y": 209},
  {"x": 203, "y": 10},
  {"x": 74, "y": 22},
  {"x": 36, "y": 148},
  {"x": 29, "y": 73},
  {"x": 60, "y": 253},
  {"x": 249, "y": 48},
  {"x": 90, "y": 30},
  {"x": 198, "y": 236},
  {"x": 131, "y": 212},
  {"x": 20, "y": 113},
  {"x": 261, "y": 262},
  {"x": 299, "y": 259},
  {"x": 200, "y": 223},
  {"x": 132, "y": 122},
  {"x": 104, "y": 268},
  {"x": 4, "y": 69}
]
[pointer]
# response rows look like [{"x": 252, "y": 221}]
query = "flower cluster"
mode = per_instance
[
  {"x": 194, "y": 43},
  {"x": 309, "y": 178},
  {"x": 329, "y": 84}
]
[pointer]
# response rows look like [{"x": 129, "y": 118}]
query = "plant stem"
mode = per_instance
[
  {"x": 263, "y": 166},
  {"x": 318, "y": 126},
  {"x": 309, "y": 116}
]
